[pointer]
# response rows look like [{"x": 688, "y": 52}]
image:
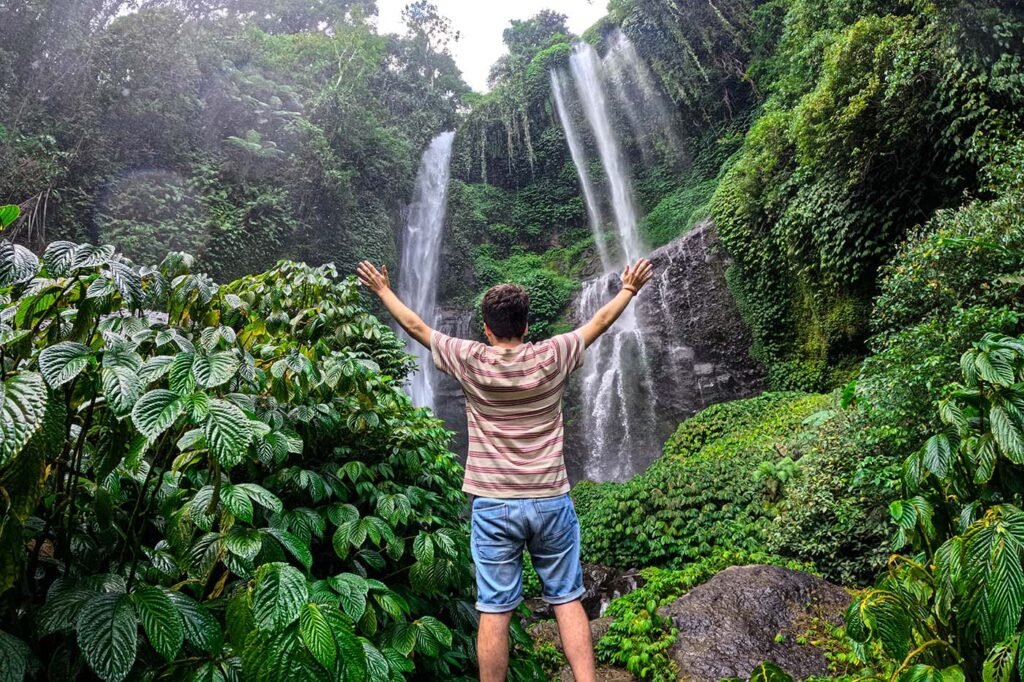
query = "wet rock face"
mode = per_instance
[
  {"x": 448, "y": 397},
  {"x": 602, "y": 585},
  {"x": 749, "y": 614},
  {"x": 697, "y": 351}
]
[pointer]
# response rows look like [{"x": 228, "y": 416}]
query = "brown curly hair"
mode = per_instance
[{"x": 506, "y": 310}]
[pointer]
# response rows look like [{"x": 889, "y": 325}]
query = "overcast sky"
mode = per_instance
[{"x": 481, "y": 22}]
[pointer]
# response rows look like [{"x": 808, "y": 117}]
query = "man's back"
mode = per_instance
[
  {"x": 515, "y": 466},
  {"x": 513, "y": 412}
]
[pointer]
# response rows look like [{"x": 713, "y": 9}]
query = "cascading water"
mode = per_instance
[
  {"x": 617, "y": 390},
  {"x": 587, "y": 73},
  {"x": 421, "y": 255},
  {"x": 632, "y": 83},
  {"x": 594, "y": 211}
]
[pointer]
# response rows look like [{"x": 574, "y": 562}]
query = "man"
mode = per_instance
[{"x": 515, "y": 467}]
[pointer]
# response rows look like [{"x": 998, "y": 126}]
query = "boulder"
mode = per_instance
[{"x": 749, "y": 614}]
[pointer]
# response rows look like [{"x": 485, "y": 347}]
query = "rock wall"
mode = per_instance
[
  {"x": 448, "y": 398},
  {"x": 697, "y": 344},
  {"x": 697, "y": 341}
]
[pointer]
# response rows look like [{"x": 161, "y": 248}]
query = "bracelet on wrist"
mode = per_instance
[{"x": 630, "y": 289}]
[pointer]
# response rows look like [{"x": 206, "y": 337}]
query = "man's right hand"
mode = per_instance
[
  {"x": 634, "y": 277},
  {"x": 637, "y": 275}
]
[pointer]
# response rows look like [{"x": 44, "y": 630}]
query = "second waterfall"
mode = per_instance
[{"x": 421, "y": 255}]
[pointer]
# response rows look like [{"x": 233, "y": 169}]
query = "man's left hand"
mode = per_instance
[{"x": 373, "y": 279}]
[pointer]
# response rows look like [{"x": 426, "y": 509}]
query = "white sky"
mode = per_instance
[{"x": 481, "y": 23}]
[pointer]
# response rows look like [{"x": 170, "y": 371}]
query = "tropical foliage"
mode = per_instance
[
  {"x": 953, "y": 606},
  {"x": 221, "y": 482}
]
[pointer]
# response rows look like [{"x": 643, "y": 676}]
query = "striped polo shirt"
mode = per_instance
[{"x": 513, "y": 411}]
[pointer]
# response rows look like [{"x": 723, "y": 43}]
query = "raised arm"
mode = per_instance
[
  {"x": 633, "y": 279},
  {"x": 377, "y": 281}
]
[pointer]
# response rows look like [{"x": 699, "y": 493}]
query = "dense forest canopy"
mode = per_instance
[
  {"x": 217, "y": 127},
  {"x": 210, "y": 466}
]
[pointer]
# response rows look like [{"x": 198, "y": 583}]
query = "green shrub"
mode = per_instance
[
  {"x": 954, "y": 603},
  {"x": 959, "y": 259},
  {"x": 549, "y": 291},
  {"x": 821, "y": 192},
  {"x": 832, "y": 512},
  {"x": 230, "y": 485},
  {"x": 700, "y": 497}
]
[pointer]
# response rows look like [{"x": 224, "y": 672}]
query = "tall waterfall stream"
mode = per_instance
[{"x": 421, "y": 255}]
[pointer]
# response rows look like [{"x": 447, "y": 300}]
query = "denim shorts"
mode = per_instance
[{"x": 503, "y": 527}]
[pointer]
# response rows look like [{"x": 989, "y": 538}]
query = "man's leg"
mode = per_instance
[
  {"x": 574, "y": 630},
  {"x": 555, "y": 550},
  {"x": 492, "y": 646}
]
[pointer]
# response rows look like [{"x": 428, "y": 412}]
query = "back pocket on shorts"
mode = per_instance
[
  {"x": 557, "y": 517},
  {"x": 490, "y": 522}
]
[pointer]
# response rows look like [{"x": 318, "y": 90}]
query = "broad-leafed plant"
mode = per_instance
[
  {"x": 952, "y": 609},
  {"x": 217, "y": 482}
]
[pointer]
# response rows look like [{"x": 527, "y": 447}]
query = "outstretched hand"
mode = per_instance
[
  {"x": 373, "y": 279},
  {"x": 637, "y": 275}
]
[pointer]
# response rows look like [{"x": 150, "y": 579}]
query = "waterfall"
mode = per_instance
[
  {"x": 617, "y": 420},
  {"x": 594, "y": 213},
  {"x": 636, "y": 92},
  {"x": 421, "y": 256},
  {"x": 587, "y": 72}
]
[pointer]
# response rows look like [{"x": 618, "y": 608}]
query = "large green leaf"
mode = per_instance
[
  {"x": 156, "y": 411},
  {"x": 881, "y": 615},
  {"x": 1000, "y": 662},
  {"x": 376, "y": 664},
  {"x": 436, "y": 628},
  {"x": 228, "y": 432},
  {"x": 938, "y": 454},
  {"x": 22, "y": 408},
  {"x": 244, "y": 542},
  {"x": 351, "y": 655},
  {"x": 1007, "y": 434},
  {"x": 237, "y": 501},
  {"x": 122, "y": 389},
  {"x": 160, "y": 619},
  {"x": 280, "y": 593},
  {"x": 261, "y": 496},
  {"x": 295, "y": 546},
  {"x": 317, "y": 636},
  {"x": 993, "y": 575},
  {"x": 62, "y": 362},
  {"x": 155, "y": 367},
  {"x": 180, "y": 378},
  {"x": 58, "y": 257},
  {"x": 201, "y": 628},
  {"x": 8, "y": 214},
  {"x": 127, "y": 282},
  {"x": 994, "y": 368},
  {"x": 352, "y": 589},
  {"x": 214, "y": 369},
  {"x": 63, "y": 602},
  {"x": 108, "y": 635},
  {"x": 402, "y": 636},
  {"x": 14, "y": 657},
  {"x": 17, "y": 264}
]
